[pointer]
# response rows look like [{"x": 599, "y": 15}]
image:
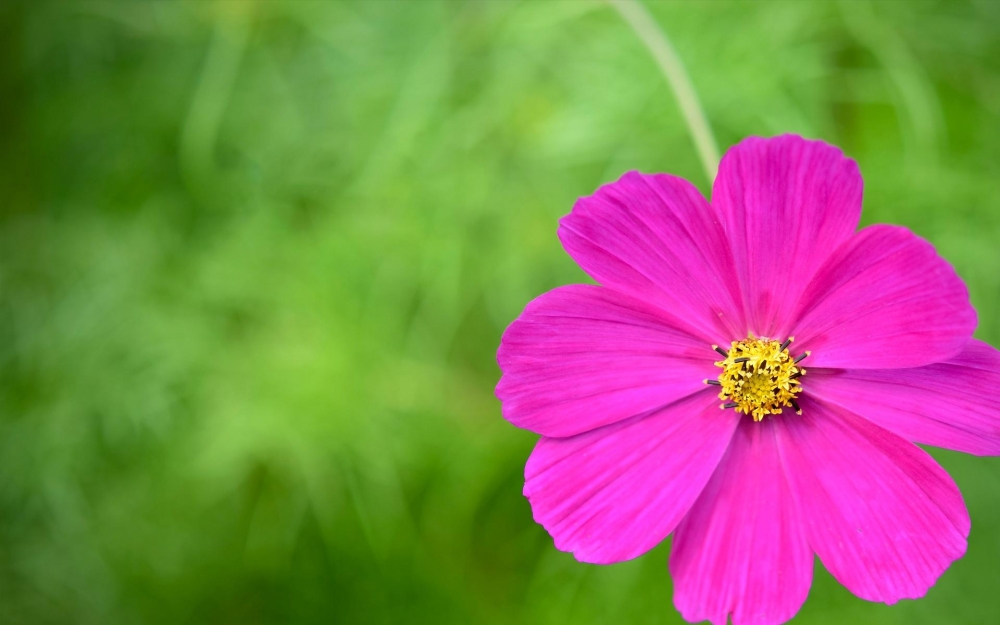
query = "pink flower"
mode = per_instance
[{"x": 622, "y": 382}]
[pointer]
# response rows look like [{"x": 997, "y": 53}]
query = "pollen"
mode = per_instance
[{"x": 759, "y": 377}]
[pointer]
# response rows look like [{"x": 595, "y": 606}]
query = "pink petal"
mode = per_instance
[
  {"x": 950, "y": 404},
  {"x": 614, "y": 493},
  {"x": 885, "y": 299},
  {"x": 655, "y": 237},
  {"x": 741, "y": 550},
  {"x": 787, "y": 203},
  {"x": 581, "y": 356},
  {"x": 883, "y": 517}
]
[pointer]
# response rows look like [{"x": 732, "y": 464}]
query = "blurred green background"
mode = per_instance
[{"x": 256, "y": 259}]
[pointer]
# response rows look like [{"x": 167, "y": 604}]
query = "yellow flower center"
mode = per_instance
[{"x": 759, "y": 377}]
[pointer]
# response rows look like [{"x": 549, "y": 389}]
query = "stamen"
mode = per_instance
[
  {"x": 713, "y": 382},
  {"x": 795, "y": 406},
  {"x": 720, "y": 350},
  {"x": 802, "y": 357},
  {"x": 759, "y": 377}
]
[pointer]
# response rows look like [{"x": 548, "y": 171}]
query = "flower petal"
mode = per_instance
[
  {"x": 883, "y": 517},
  {"x": 787, "y": 203},
  {"x": 612, "y": 494},
  {"x": 885, "y": 299},
  {"x": 741, "y": 550},
  {"x": 582, "y": 356},
  {"x": 656, "y": 238},
  {"x": 950, "y": 404}
]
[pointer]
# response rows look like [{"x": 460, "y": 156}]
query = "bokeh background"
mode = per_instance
[{"x": 256, "y": 259}]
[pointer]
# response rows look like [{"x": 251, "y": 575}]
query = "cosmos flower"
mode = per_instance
[{"x": 752, "y": 376}]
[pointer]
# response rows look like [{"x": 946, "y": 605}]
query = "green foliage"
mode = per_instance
[{"x": 256, "y": 258}]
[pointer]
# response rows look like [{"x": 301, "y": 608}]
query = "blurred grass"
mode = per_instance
[{"x": 256, "y": 258}]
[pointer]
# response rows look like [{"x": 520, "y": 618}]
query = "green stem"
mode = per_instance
[{"x": 656, "y": 41}]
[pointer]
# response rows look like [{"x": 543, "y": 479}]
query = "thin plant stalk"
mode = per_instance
[{"x": 658, "y": 44}]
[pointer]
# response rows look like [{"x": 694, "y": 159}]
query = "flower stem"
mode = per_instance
[{"x": 656, "y": 41}]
